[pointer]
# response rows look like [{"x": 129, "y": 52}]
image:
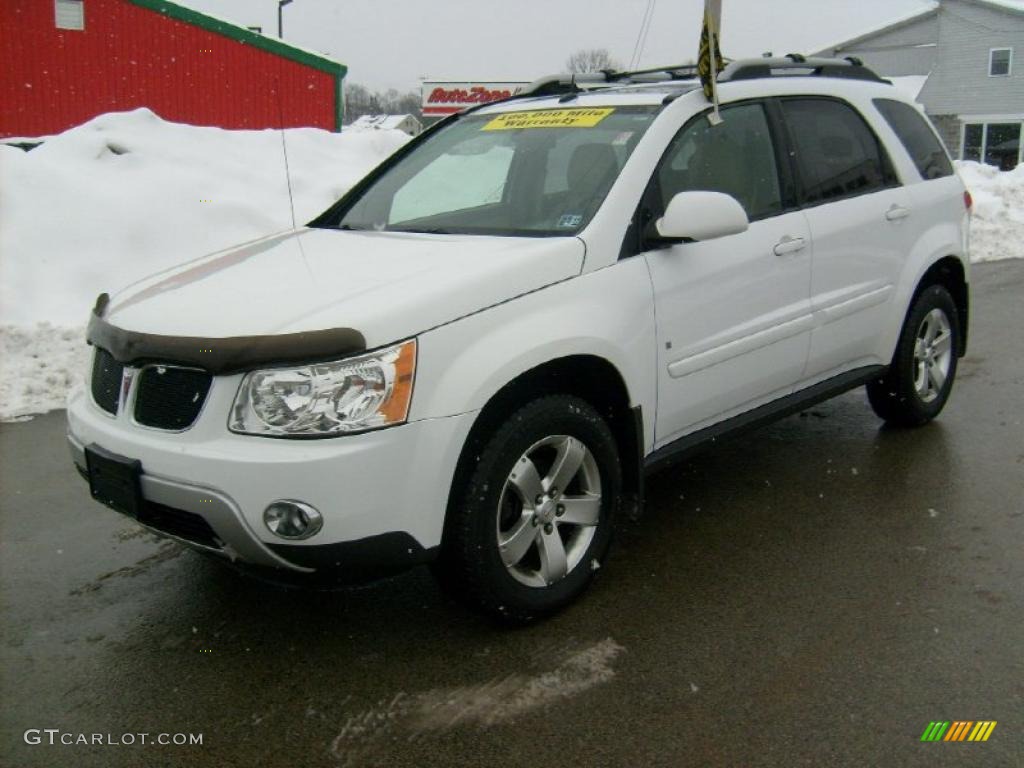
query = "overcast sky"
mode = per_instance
[{"x": 394, "y": 43}]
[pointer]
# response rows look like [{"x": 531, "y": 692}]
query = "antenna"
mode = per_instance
[{"x": 284, "y": 151}]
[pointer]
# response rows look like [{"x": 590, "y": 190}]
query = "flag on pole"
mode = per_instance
[{"x": 709, "y": 58}]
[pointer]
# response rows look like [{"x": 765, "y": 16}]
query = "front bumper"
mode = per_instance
[{"x": 382, "y": 494}]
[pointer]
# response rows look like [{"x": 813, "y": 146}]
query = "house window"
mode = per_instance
[
  {"x": 995, "y": 143},
  {"x": 1000, "y": 62},
  {"x": 69, "y": 14}
]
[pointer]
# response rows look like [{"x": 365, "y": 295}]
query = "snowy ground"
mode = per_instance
[{"x": 128, "y": 194}]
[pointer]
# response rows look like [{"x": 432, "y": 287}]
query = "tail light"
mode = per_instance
[{"x": 968, "y": 201}]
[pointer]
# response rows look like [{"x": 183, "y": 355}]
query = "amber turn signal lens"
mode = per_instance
[{"x": 396, "y": 408}]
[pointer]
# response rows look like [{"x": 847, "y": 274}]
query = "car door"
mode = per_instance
[
  {"x": 861, "y": 222},
  {"x": 733, "y": 314}
]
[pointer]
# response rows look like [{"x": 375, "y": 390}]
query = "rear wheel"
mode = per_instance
[
  {"x": 534, "y": 519},
  {"x": 919, "y": 381}
]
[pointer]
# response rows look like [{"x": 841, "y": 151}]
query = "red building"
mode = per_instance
[{"x": 63, "y": 62}]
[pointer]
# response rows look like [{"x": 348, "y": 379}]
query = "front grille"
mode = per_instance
[
  {"x": 170, "y": 398},
  {"x": 106, "y": 381},
  {"x": 178, "y": 522}
]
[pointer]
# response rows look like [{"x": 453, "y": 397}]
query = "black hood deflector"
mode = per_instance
[{"x": 221, "y": 355}]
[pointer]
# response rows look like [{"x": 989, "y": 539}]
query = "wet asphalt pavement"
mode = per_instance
[{"x": 812, "y": 594}]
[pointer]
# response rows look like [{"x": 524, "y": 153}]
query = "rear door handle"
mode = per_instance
[
  {"x": 897, "y": 212},
  {"x": 789, "y": 245}
]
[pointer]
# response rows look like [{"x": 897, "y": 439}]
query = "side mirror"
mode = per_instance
[{"x": 701, "y": 215}]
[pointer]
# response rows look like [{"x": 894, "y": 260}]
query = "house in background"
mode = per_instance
[
  {"x": 63, "y": 62},
  {"x": 972, "y": 52},
  {"x": 405, "y": 123}
]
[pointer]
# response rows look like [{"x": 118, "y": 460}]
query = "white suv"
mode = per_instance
[{"x": 474, "y": 357}]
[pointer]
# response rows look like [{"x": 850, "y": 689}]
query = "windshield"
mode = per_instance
[{"x": 532, "y": 173}]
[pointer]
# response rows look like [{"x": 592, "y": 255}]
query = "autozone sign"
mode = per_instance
[{"x": 444, "y": 98}]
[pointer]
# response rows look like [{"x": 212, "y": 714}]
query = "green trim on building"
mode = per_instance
[{"x": 243, "y": 35}]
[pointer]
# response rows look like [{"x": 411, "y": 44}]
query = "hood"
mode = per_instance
[{"x": 386, "y": 285}]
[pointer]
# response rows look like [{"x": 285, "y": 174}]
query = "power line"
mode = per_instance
[
  {"x": 643, "y": 43},
  {"x": 644, "y": 23}
]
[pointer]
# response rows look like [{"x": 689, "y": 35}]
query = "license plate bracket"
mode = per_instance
[{"x": 114, "y": 480}]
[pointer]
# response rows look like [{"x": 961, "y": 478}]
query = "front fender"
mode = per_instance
[{"x": 608, "y": 314}]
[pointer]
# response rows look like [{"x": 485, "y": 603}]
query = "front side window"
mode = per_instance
[
  {"x": 530, "y": 173},
  {"x": 1000, "y": 62},
  {"x": 837, "y": 154},
  {"x": 69, "y": 14},
  {"x": 735, "y": 157},
  {"x": 919, "y": 140}
]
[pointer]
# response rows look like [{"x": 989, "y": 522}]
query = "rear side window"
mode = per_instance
[
  {"x": 836, "y": 152},
  {"x": 917, "y": 137}
]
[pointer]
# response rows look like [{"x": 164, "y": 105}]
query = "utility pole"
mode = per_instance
[{"x": 280, "y": 20}]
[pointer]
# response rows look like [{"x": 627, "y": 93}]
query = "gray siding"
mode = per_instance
[
  {"x": 960, "y": 83},
  {"x": 952, "y": 43},
  {"x": 908, "y": 49}
]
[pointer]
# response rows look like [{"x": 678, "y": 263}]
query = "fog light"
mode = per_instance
[{"x": 292, "y": 520}]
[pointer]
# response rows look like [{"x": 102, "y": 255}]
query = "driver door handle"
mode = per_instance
[
  {"x": 897, "y": 212},
  {"x": 789, "y": 244}
]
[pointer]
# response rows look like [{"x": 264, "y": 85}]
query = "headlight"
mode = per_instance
[{"x": 323, "y": 399}]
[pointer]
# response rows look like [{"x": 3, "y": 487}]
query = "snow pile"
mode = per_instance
[
  {"x": 128, "y": 194},
  {"x": 910, "y": 85},
  {"x": 38, "y": 365},
  {"x": 997, "y": 226}
]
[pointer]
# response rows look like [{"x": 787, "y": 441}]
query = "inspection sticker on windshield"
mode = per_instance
[{"x": 549, "y": 118}]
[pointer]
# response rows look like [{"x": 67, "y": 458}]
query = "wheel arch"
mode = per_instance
[
  {"x": 950, "y": 273},
  {"x": 590, "y": 377}
]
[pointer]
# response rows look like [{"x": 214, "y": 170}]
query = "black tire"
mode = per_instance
[
  {"x": 471, "y": 564},
  {"x": 896, "y": 397}
]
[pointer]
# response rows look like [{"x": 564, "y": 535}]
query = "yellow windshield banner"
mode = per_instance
[{"x": 549, "y": 118}]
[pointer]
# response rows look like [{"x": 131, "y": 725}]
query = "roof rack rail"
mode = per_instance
[{"x": 793, "y": 64}]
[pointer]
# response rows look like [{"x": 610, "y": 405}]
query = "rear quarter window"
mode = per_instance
[{"x": 917, "y": 138}]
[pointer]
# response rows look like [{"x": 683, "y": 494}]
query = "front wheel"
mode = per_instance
[
  {"x": 920, "y": 378},
  {"x": 533, "y": 522}
]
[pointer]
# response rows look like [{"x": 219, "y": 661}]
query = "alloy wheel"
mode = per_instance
[
  {"x": 933, "y": 355},
  {"x": 549, "y": 510}
]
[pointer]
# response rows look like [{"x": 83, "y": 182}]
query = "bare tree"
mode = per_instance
[
  {"x": 591, "y": 60},
  {"x": 360, "y": 100}
]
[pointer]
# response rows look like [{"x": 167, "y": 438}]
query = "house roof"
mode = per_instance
[
  {"x": 901, "y": 21},
  {"x": 242, "y": 35},
  {"x": 1016, "y": 6}
]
